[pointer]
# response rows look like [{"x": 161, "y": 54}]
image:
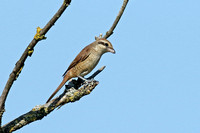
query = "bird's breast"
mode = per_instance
[{"x": 89, "y": 64}]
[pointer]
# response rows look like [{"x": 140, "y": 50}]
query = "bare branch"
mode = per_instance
[
  {"x": 28, "y": 51},
  {"x": 71, "y": 94},
  {"x": 97, "y": 72},
  {"x": 110, "y": 32}
]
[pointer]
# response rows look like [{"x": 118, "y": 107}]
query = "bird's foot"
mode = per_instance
[{"x": 87, "y": 81}]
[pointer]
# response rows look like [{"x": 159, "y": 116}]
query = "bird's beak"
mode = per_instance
[{"x": 111, "y": 50}]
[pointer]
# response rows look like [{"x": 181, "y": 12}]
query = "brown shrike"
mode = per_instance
[{"x": 85, "y": 61}]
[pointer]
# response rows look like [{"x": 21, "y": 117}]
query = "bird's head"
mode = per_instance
[{"x": 104, "y": 45}]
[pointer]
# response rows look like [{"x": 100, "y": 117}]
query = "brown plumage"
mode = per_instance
[{"x": 85, "y": 61}]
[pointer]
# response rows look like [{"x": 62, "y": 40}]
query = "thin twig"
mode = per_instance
[
  {"x": 110, "y": 32},
  {"x": 28, "y": 51},
  {"x": 71, "y": 94},
  {"x": 97, "y": 72}
]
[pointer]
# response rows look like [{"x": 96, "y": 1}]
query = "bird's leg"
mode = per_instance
[{"x": 86, "y": 80}]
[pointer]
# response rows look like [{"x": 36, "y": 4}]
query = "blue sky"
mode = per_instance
[{"x": 151, "y": 84}]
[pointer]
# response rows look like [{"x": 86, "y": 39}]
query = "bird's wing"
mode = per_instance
[{"x": 83, "y": 55}]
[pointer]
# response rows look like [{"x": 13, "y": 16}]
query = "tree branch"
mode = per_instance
[
  {"x": 28, "y": 52},
  {"x": 110, "y": 32},
  {"x": 72, "y": 93}
]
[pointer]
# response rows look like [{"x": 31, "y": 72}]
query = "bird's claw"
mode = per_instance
[{"x": 87, "y": 81}]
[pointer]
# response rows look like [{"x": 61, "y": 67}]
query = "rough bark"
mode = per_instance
[
  {"x": 71, "y": 93},
  {"x": 40, "y": 35}
]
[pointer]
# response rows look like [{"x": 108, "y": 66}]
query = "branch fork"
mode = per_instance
[{"x": 70, "y": 94}]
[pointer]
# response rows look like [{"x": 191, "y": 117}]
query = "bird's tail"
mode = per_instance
[{"x": 65, "y": 79}]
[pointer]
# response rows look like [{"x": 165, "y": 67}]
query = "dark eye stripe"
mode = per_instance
[
  {"x": 105, "y": 44},
  {"x": 101, "y": 43}
]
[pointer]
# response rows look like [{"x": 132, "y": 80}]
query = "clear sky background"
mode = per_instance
[{"x": 151, "y": 84}]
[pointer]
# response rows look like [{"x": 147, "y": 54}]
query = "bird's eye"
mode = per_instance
[{"x": 106, "y": 44}]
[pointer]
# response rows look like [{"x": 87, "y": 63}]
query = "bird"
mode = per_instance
[{"x": 85, "y": 61}]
